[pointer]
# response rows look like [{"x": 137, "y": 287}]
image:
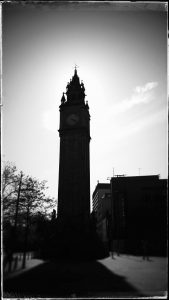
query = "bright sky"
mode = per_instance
[{"x": 122, "y": 59}]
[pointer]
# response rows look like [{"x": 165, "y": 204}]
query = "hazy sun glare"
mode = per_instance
[{"x": 121, "y": 58}]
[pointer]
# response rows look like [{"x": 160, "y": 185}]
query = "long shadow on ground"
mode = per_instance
[{"x": 66, "y": 279}]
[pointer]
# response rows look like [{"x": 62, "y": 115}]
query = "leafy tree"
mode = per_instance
[
  {"x": 32, "y": 194},
  {"x": 9, "y": 179},
  {"x": 10, "y": 183},
  {"x": 23, "y": 200}
]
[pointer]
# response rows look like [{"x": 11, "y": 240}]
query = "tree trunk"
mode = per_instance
[{"x": 26, "y": 239}]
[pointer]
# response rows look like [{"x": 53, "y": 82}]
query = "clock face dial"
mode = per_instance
[{"x": 72, "y": 119}]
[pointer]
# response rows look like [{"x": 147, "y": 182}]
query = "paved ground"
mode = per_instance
[
  {"x": 148, "y": 277},
  {"x": 124, "y": 276},
  {"x": 16, "y": 270}
]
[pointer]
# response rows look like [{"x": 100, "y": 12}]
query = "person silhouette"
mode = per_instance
[
  {"x": 15, "y": 262},
  {"x": 8, "y": 258},
  {"x": 145, "y": 249}
]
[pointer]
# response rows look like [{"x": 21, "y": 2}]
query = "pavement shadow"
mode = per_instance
[
  {"x": 68, "y": 279},
  {"x": 138, "y": 258}
]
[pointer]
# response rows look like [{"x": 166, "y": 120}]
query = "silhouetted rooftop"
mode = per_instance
[{"x": 101, "y": 186}]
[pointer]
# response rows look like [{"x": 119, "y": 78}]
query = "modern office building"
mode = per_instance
[
  {"x": 101, "y": 201},
  {"x": 100, "y": 190},
  {"x": 135, "y": 211}
]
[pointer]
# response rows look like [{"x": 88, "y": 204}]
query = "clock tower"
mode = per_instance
[{"x": 74, "y": 164}]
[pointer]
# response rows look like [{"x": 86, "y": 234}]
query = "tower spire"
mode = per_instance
[
  {"x": 76, "y": 66},
  {"x": 75, "y": 90}
]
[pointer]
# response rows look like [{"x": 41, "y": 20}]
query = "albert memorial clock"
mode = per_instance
[{"x": 74, "y": 164}]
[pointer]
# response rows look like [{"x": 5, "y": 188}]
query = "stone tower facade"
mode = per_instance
[{"x": 74, "y": 164}]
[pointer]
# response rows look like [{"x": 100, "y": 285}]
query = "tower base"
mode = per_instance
[{"x": 73, "y": 243}]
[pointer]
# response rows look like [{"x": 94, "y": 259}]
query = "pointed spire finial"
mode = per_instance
[
  {"x": 76, "y": 69},
  {"x": 63, "y": 100}
]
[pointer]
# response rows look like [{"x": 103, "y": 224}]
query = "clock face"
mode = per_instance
[{"x": 72, "y": 119}]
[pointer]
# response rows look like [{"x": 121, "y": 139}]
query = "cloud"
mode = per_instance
[
  {"x": 141, "y": 95},
  {"x": 147, "y": 87},
  {"x": 132, "y": 128}
]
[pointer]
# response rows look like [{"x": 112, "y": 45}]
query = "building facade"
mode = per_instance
[
  {"x": 138, "y": 206},
  {"x": 101, "y": 200},
  {"x": 100, "y": 190},
  {"x": 137, "y": 211},
  {"x": 74, "y": 164}
]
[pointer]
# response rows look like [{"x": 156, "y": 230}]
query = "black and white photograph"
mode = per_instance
[{"x": 84, "y": 149}]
